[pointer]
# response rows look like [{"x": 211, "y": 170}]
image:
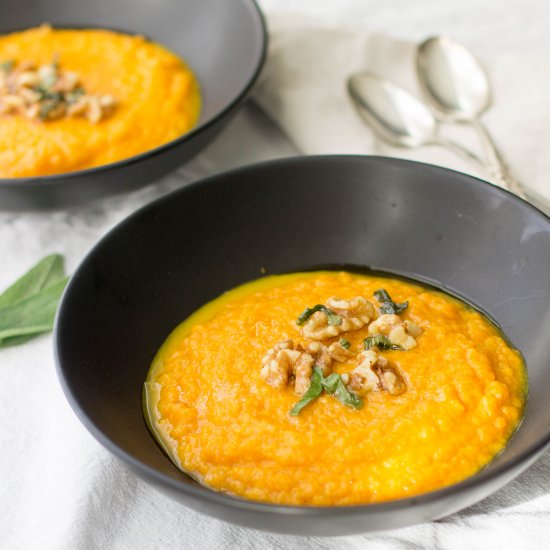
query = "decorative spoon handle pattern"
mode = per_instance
[{"x": 496, "y": 165}]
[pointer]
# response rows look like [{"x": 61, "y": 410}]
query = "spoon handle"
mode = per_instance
[
  {"x": 496, "y": 166},
  {"x": 461, "y": 151}
]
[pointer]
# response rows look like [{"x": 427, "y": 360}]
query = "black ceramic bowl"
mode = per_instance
[
  {"x": 224, "y": 41},
  {"x": 169, "y": 258}
]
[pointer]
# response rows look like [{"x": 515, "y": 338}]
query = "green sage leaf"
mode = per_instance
[
  {"x": 7, "y": 66},
  {"x": 74, "y": 95},
  {"x": 330, "y": 382},
  {"x": 387, "y": 304},
  {"x": 381, "y": 342},
  {"x": 46, "y": 272},
  {"x": 13, "y": 341},
  {"x": 333, "y": 385},
  {"x": 314, "y": 391},
  {"x": 33, "y": 315},
  {"x": 28, "y": 307},
  {"x": 346, "y": 397},
  {"x": 346, "y": 344},
  {"x": 332, "y": 317}
]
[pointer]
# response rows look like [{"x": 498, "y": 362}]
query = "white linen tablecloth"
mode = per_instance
[{"x": 59, "y": 489}]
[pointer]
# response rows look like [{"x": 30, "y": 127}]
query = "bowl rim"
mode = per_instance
[
  {"x": 199, "y": 492},
  {"x": 56, "y": 179}
]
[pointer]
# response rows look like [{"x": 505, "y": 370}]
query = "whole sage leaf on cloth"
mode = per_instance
[{"x": 28, "y": 307}]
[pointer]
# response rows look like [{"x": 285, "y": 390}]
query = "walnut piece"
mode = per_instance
[
  {"x": 390, "y": 380},
  {"x": 303, "y": 369},
  {"x": 314, "y": 354},
  {"x": 321, "y": 356},
  {"x": 355, "y": 314},
  {"x": 278, "y": 362},
  {"x": 374, "y": 373},
  {"x": 317, "y": 327},
  {"x": 287, "y": 359},
  {"x": 48, "y": 92},
  {"x": 363, "y": 379},
  {"x": 340, "y": 353},
  {"x": 413, "y": 329},
  {"x": 399, "y": 332}
]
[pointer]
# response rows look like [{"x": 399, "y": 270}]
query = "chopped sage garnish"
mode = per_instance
[
  {"x": 346, "y": 397},
  {"x": 332, "y": 318},
  {"x": 47, "y": 108},
  {"x": 330, "y": 382},
  {"x": 381, "y": 342},
  {"x": 75, "y": 95},
  {"x": 48, "y": 92},
  {"x": 387, "y": 304},
  {"x": 45, "y": 93},
  {"x": 346, "y": 344},
  {"x": 7, "y": 66},
  {"x": 314, "y": 391},
  {"x": 333, "y": 385}
]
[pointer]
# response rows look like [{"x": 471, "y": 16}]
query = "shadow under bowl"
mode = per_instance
[
  {"x": 223, "y": 41},
  {"x": 169, "y": 258}
]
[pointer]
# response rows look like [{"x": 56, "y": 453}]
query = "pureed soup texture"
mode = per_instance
[
  {"x": 333, "y": 388},
  {"x": 75, "y": 99}
]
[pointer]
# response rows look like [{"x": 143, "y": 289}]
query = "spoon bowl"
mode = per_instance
[
  {"x": 453, "y": 79},
  {"x": 458, "y": 88},
  {"x": 397, "y": 116}
]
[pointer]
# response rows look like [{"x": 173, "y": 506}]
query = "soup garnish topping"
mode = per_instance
[{"x": 309, "y": 365}]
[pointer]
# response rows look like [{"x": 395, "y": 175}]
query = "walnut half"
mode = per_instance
[
  {"x": 399, "y": 332},
  {"x": 278, "y": 362},
  {"x": 340, "y": 353},
  {"x": 48, "y": 92},
  {"x": 363, "y": 379},
  {"x": 374, "y": 373},
  {"x": 390, "y": 380},
  {"x": 287, "y": 359},
  {"x": 355, "y": 313}
]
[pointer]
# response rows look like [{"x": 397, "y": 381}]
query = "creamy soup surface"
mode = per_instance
[{"x": 334, "y": 388}]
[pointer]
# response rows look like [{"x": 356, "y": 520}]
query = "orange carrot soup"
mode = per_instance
[
  {"x": 334, "y": 388},
  {"x": 75, "y": 99}
]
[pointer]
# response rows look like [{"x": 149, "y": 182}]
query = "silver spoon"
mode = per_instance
[
  {"x": 456, "y": 85},
  {"x": 397, "y": 116}
]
